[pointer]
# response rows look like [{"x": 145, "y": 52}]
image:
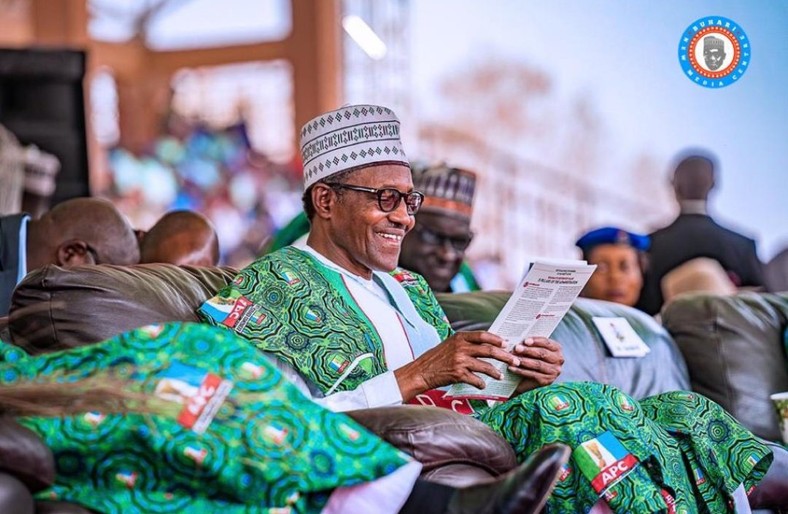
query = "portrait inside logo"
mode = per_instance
[{"x": 714, "y": 52}]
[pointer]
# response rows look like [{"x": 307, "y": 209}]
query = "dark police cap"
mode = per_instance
[{"x": 613, "y": 235}]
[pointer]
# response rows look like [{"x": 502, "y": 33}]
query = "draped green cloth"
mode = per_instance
[
  {"x": 229, "y": 433},
  {"x": 674, "y": 452}
]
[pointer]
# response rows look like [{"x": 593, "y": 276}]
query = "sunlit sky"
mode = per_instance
[{"x": 623, "y": 55}]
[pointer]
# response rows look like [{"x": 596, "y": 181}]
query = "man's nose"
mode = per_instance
[{"x": 400, "y": 215}]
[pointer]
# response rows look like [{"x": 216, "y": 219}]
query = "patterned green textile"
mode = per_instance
[
  {"x": 678, "y": 443},
  {"x": 301, "y": 311},
  {"x": 231, "y": 436},
  {"x": 290, "y": 305}
]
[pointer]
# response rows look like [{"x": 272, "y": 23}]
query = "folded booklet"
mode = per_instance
[{"x": 536, "y": 306}]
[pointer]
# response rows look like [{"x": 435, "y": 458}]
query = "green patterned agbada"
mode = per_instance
[
  {"x": 233, "y": 436},
  {"x": 674, "y": 452}
]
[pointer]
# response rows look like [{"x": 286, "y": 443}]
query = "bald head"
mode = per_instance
[
  {"x": 181, "y": 238},
  {"x": 81, "y": 231},
  {"x": 693, "y": 178}
]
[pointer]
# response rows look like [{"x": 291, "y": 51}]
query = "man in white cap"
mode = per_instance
[
  {"x": 365, "y": 333},
  {"x": 328, "y": 299},
  {"x": 713, "y": 52}
]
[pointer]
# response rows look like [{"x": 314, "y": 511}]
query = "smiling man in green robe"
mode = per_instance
[{"x": 339, "y": 314}]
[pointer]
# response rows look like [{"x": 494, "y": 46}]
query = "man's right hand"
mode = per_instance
[{"x": 453, "y": 361}]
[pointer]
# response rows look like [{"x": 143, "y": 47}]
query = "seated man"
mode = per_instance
[
  {"x": 620, "y": 259},
  {"x": 74, "y": 232},
  {"x": 435, "y": 248},
  {"x": 237, "y": 439},
  {"x": 183, "y": 238},
  {"x": 366, "y": 333}
]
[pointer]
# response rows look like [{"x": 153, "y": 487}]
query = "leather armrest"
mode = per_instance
[
  {"x": 25, "y": 456},
  {"x": 60, "y": 508},
  {"x": 15, "y": 498},
  {"x": 437, "y": 437}
]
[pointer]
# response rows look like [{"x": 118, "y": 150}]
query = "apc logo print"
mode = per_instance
[{"x": 714, "y": 52}]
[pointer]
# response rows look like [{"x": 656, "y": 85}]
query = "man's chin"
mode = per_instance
[
  {"x": 384, "y": 266},
  {"x": 440, "y": 284}
]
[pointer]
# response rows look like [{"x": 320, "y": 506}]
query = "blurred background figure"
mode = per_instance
[
  {"x": 203, "y": 169},
  {"x": 183, "y": 238},
  {"x": 436, "y": 246},
  {"x": 695, "y": 234},
  {"x": 27, "y": 176},
  {"x": 75, "y": 232},
  {"x": 620, "y": 259}
]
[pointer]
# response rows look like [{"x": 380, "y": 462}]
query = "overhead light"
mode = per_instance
[{"x": 364, "y": 36}]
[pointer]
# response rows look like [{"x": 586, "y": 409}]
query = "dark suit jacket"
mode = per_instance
[
  {"x": 9, "y": 258},
  {"x": 696, "y": 235}
]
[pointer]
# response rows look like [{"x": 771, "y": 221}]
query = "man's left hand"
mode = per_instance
[{"x": 541, "y": 360}]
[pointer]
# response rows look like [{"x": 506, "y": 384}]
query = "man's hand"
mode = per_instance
[
  {"x": 454, "y": 360},
  {"x": 540, "y": 363}
]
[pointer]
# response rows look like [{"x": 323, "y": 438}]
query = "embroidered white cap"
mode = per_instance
[{"x": 352, "y": 137}]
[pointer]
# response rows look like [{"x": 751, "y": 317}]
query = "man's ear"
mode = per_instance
[
  {"x": 324, "y": 199},
  {"x": 74, "y": 252}
]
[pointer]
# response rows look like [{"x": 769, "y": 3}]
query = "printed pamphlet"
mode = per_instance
[{"x": 536, "y": 306}]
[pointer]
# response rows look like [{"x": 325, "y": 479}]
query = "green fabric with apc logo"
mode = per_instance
[
  {"x": 685, "y": 445},
  {"x": 265, "y": 447}
]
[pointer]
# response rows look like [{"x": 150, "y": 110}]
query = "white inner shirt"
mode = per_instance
[{"x": 374, "y": 301}]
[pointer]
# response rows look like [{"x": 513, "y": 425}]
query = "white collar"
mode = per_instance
[
  {"x": 333, "y": 265},
  {"x": 693, "y": 207}
]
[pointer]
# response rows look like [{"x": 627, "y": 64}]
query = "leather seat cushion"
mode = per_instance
[
  {"x": 25, "y": 456},
  {"x": 437, "y": 437},
  {"x": 734, "y": 349},
  {"x": 55, "y": 308}
]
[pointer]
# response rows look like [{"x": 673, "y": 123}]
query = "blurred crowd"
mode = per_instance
[{"x": 213, "y": 171}]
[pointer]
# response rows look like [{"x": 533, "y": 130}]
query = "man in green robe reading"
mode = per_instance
[{"x": 340, "y": 315}]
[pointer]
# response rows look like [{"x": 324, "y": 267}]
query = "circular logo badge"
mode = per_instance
[{"x": 714, "y": 52}]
